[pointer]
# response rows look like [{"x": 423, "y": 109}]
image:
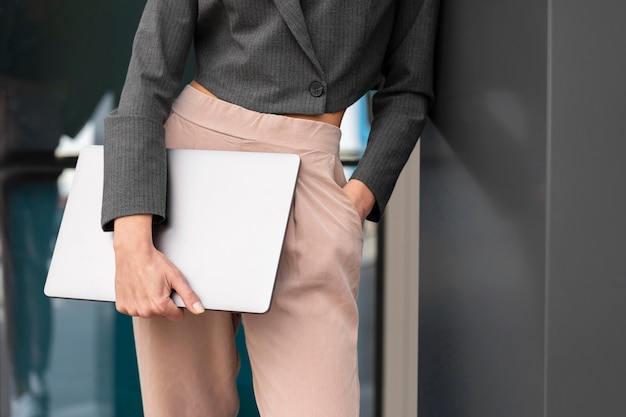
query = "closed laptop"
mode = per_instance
[{"x": 227, "y": 215}]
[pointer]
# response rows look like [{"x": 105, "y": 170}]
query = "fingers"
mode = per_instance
[
  {"x": 165, "y": 308},
  {"x": 189, "y": 297},
  {"x": 171, "y": 311},
  {"x": 144, "y": 285},
  {"x": 361, "y": 196},
  {"x": 149, "y": 309}
]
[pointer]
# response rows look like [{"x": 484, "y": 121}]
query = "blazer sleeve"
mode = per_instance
[
  {"x": 135, "y": 170},
  {"x": 401, "y": 105}
]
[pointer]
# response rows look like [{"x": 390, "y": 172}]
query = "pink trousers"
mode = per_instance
[{"x": 303, "y": 352}]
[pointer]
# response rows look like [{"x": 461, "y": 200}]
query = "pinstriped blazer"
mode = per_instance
[{"x": 273, "y": 56}]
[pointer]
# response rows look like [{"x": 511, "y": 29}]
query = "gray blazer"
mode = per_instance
[{"x": 273, "y": 56}]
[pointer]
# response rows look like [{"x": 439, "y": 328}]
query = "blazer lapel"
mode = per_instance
[{"x": 292, "y": 14}]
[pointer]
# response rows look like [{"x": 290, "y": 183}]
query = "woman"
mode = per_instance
[{"x": 272, "y": 75}]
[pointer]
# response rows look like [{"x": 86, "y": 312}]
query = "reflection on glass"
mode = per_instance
[
  {"x": 355, "y": 129},
  {"x": 367, "y": 322},
  {"x": 61, "y": 351},
  {"x": 31, "y": 213}
]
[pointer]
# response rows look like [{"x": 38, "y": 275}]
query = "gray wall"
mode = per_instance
[
  {"x": 586, "y": 234},
  {"x": 522, "y": 203}
]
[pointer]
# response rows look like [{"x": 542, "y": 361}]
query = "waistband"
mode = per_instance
[{"x": 234, "y": 120}]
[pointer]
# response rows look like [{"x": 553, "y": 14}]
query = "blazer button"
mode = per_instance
[{"x": 316, "y": 89}]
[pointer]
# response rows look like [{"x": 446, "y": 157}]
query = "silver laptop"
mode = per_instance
[{"x": 227, "y": 216}]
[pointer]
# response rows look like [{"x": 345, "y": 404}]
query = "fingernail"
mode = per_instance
[{"x": 198, "y": 307}]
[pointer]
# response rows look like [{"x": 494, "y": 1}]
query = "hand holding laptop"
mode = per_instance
[
  {"x": 144, "y": 277},
  {"x": 227, "y": 216}
]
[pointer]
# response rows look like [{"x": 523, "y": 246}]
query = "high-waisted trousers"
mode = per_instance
[{"x": 303, "y": 351}]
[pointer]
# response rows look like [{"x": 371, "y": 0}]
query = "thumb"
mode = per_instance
[{"x": 189, "y": 297}]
